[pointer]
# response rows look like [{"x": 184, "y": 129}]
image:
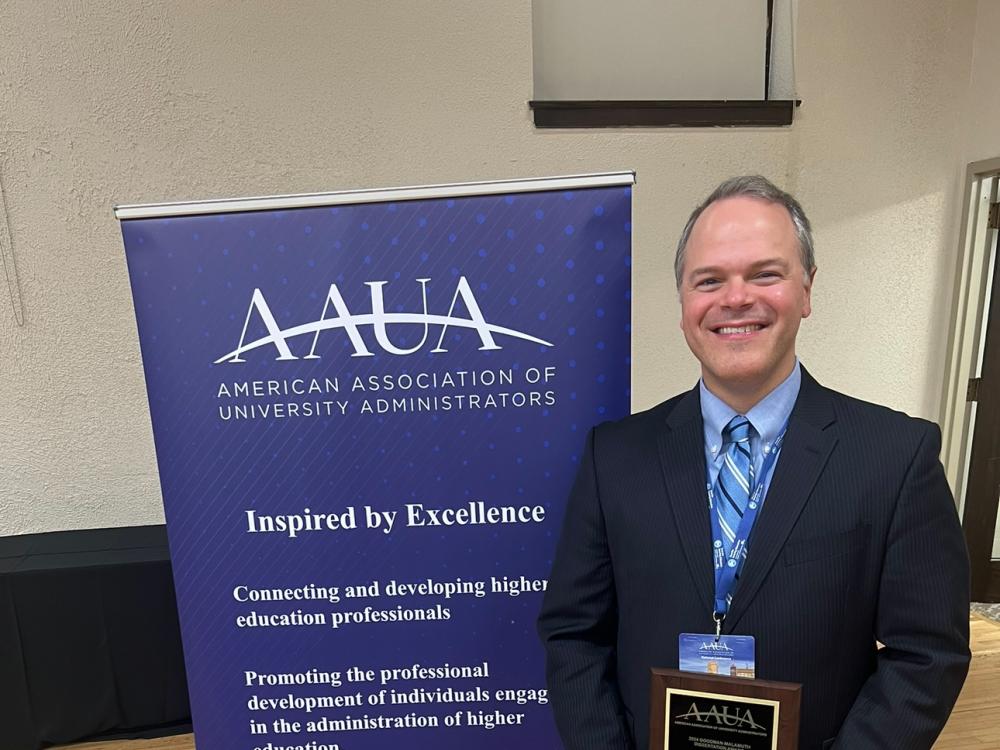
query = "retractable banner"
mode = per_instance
[{"x": 368, "y": 410}]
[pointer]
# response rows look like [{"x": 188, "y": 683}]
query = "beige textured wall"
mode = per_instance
[
  {"x": 111, "y": 101},
  {"x": 981, "y": 116},
  {"x": 877, "y": 159}
]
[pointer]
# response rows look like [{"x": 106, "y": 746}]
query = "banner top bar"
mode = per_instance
[{"x": 372, "y": 195}]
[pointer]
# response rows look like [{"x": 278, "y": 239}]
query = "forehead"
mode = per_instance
[{"x": 741, "y": 227}]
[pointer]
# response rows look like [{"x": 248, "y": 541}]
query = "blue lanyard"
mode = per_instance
[{"x": 728, "y": 567}]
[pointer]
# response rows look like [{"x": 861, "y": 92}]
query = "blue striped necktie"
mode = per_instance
[{"x": 735, "y": 480}]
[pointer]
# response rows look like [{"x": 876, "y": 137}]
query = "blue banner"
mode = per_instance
[{"x": 367, "y": 418}]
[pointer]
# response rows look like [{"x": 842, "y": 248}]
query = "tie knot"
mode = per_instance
[{"x": 738, "y": 430}]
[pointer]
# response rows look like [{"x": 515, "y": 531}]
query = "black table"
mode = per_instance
[{"x": 89, "y": 639}]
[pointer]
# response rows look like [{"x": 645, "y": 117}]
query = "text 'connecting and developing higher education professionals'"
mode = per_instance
[{"x": 510, "y": 586}]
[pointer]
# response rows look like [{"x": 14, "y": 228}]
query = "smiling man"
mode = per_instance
[{"x": 799, "y": 523}]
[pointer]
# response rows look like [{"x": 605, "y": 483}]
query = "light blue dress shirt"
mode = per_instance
[{"x": 768, "y": 418}]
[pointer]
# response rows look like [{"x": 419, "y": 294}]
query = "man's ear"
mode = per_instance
[{"x": 807, "y": 307}]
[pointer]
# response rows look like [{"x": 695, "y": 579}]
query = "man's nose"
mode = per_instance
[{"x": 737, "y": 294}]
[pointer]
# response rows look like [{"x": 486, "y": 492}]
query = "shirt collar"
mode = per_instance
[{"x": 768, "y": 416}]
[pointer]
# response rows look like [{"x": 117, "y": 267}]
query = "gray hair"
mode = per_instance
[{"x": 761, "y": 188}]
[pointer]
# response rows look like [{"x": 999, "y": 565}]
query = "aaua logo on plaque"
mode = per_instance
[{"x": 698, "y": 720}]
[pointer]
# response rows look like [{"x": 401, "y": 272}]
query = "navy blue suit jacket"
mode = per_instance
[{"x": 858, "y": 539}]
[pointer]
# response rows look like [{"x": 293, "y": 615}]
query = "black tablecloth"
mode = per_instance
[{"x": 89, "y": 639}]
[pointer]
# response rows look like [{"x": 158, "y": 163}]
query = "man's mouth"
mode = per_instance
[{"x": 737, "y": 330}]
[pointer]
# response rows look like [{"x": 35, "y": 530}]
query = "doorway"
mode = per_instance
[{"x": 971, "y": 427}]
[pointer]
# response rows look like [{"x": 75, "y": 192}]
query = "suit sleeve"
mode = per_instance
[
  {"x": 578, "y": 624},
  {"x": 922, "y": 617}
]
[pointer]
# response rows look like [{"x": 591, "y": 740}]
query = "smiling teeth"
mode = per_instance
[{"x": 741, "y": 329}]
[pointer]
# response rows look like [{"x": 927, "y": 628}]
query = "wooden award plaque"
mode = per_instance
[{"x": 693, "y": 711}]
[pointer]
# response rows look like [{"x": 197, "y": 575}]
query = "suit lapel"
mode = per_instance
[
  {"x": 803, "y": 456},
  {"x": 682, "y": 458}
]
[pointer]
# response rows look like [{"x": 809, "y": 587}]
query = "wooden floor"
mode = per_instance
[{"x": 974, "y": 723}]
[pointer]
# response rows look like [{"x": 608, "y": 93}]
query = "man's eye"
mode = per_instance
[
  {"x": 706, "y": 283},
  {"x": 768, "y": 275}
]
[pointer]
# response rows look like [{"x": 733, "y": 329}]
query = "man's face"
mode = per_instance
[{"x": 743, "y": 292}]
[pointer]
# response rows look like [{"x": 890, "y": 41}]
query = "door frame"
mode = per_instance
[{"x": 976, "y": 259}]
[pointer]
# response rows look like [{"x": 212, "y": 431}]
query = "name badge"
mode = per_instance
[{"x": 729, "y": 656}]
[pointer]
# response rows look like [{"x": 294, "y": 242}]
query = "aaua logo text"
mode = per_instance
[
  {"x": 722, "y": 716},
  {"x": 378, "y": 320}
]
